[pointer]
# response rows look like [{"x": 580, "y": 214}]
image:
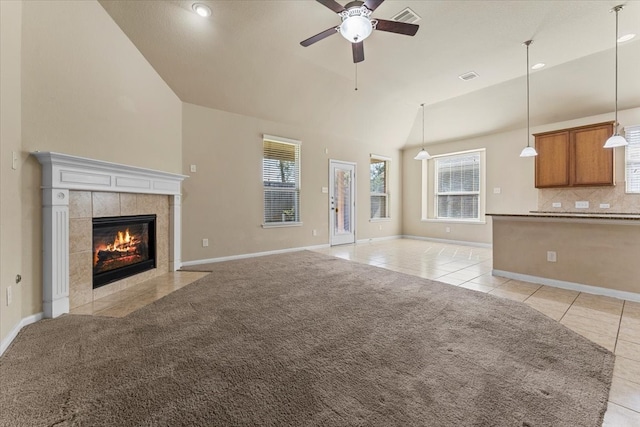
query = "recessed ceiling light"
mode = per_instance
[
  {"x": 626, "y": 38},
  {"x": 201, "y": 9},
  {"x": 538, "y": 66}
]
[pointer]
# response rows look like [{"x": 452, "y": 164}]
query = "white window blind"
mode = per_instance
[
  {"x": 281, "y": 179},
  {"x": 379, "y": 177},
  {"x": 632, "y": 159},
  {"x": 457, "y": 186}
]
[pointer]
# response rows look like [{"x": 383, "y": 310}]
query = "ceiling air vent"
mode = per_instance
[
  {"x": 407, "y": 15},
  {"x": 468, "y": 76}
]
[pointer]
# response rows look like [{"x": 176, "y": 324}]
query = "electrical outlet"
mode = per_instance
[
  {"x": 497, "y": 190},
  {"x": 379, "y": 227},
  {"x": 314, "y": 232},
  {"x": 205, "y": 243},
  {"x": 447, "y": 229},
  {"x": 14, "y": 160},
  {"x": 9, "y": 295},
  {"x": 193, "y": 168},
  {"x": 552, "y": 256},
  {"x": 605, "y": 205},
  {"x": 582, "y": 205},
  {"x": 556, "y": 204}
]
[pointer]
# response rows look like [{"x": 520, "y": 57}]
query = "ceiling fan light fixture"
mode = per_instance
[
  {"x": 356, "y": 24},
  {"x": 201, "y": 9}
]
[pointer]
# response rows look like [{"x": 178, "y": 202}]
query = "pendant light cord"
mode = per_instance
[
  {"x": 617, "y": 9},
  {"x": 527, "y": 43},
  {"x": 356, "y": 76},
  {"x": 422, "y": 105}
]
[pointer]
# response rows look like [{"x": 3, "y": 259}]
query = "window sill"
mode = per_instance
[
  {"x": 282, "y": 224},
  {"x": 379, "y": 219},
  {"x": 455, "y": 221}
]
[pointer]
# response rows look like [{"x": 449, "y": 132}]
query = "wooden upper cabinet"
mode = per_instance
[{"x": 574, "y": 157}]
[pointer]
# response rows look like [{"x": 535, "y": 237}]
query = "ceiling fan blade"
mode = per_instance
[
  {"x": 358, "y": 52},
  {"x": 332, "y": 4},
  {"x": 397, "y": 27},
  {"x": 326, "y": 33},
  {"x": 372, "y": 4}
]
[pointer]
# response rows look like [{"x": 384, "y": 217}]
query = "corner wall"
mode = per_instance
[{"x": 86, "y": 91}]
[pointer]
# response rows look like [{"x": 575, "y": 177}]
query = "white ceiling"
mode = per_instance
[{"x": 246, "y": 59}]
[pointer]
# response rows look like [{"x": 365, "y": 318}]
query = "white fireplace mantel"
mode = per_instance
[{"x": 63, "y": 172}]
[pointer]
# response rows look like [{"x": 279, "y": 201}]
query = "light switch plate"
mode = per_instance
[
  {"x": 556, "y": 204},
  {"x": 605, "y": 205}
]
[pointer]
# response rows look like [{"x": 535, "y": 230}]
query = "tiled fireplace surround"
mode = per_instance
[
  {"x": 76, "y": 189},
  {"x": 86, "y": 205}
]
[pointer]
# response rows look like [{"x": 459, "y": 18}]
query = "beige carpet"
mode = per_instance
[{"x": 303, "y": 339}]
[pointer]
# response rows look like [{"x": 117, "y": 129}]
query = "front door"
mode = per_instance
[{"x": 342, "y": 202}]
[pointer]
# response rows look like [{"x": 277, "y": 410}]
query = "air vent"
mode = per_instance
[
  {"x": 468, "y": 76},
  {"x": 408, "y": 16}
]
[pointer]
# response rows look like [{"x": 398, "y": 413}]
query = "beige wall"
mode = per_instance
[
  {"x": 86, "y": 91},
  {"x": 10, "y": 179},
  {"x": 505, "y": 170},
  {"x": 222, "y": 201},
  {"x": 597, "y": 253}
]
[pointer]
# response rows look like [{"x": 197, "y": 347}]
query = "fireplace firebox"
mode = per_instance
[{"x": 122, "y": 246}]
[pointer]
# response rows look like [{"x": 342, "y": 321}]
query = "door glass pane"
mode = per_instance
[{"x": 343, "y": 202}]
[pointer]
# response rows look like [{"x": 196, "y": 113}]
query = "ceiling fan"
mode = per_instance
[{"x": 357, "y": 25}]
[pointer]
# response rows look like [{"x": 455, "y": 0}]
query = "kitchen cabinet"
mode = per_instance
[{"x": 574, "y": 157}]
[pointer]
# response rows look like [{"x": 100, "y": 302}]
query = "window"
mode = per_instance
[
  {"x": 457, "y": 186},
  {"x": 632, "y": 158},
  {"x": 379, "y": 180},
  {"x": 281, "y": 179},
  {"x": 453, "y": 187}
]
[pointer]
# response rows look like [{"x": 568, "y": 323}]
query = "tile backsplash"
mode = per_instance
[{"x": 615, "y": 197}]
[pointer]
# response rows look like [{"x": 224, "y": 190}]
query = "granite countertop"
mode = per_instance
[{"x": 583, "y": 215}]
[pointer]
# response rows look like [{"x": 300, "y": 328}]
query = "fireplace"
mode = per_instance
[{"x": 122, "y": 246}]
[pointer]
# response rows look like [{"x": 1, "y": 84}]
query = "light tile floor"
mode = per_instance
[{"x": 610, "y": 322}]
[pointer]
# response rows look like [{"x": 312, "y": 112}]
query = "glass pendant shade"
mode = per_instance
[
  {"x": 356, "y": 28},
  {"x": 615, "y": 141},
  {"x": 422, "y": 155},
  {"x": 528, "y": 151}
]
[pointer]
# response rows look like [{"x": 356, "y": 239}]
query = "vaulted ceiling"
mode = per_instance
[{"x": 246, "y": 59}]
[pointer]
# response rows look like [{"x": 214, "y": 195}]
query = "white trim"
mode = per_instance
[
  {"x": 452, "y": 242},
  {"x": 573, "y": 286},
  {"x": 282, "y": 224},
  {"x": 382, "y": 219},
  {"x": 455, "y": 153},
  {"x": 378, "y": 157},
  {"x": 63, "y": 172},
  {"x": 272, "y": 138},
  {"x": 455, "y": 221},
  {"x": 6, "y": 342},
  {"x": 253, "y": 255}
]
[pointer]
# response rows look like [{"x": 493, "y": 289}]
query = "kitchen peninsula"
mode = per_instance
[{"x": 591, "y": 252}]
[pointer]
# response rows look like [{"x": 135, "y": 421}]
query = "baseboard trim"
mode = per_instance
[
  {"x": 6, "y": 342},
  {"x": 572, "y": 286},
  {"x": 452, "y": 242},
  {"x": 251, "y": 255}
]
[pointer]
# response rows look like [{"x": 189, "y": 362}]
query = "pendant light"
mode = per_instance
[
  {"x": 616, "y": 140},
  {"x": 423, "y": 154},
  {"x": 528, "y": 151}
]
